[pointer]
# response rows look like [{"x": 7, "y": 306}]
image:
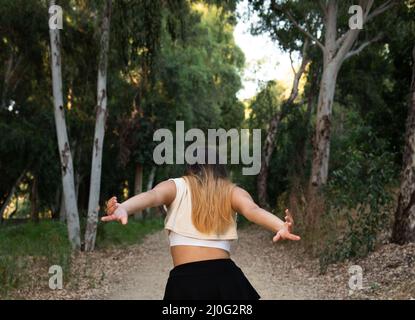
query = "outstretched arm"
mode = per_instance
[
  {"x": 162, "y": 194},
  {"x": 243, "y": 203}
]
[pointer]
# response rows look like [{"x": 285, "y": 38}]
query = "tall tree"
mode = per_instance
[
  {"x": 71, "y": 207},
  {"x": 404, "y": 226},
  {"x": 101, "y": 115},
  {"x": 321, "y": 21},
  {"x": 335, "y": 51}
]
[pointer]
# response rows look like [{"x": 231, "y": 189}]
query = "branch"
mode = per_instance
[
  {"x": 308, "y": 34},
  {"x": 323, "y": 7},
  {"x": 382, "y": 8},
  {"x": 348, "y": 34},
  {"x": 292, "y": 62},
  {"x": 299, "y": 73},
  {"x": 347, "y": 39},
  {"x": 368, "y": 7},
  {"x": 340, "y": 40},
  {"x": 362, "y": 46}
]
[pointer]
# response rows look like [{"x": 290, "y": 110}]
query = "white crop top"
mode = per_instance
[
  {"x": 181, "y": 231},
  {"x": 179, "y": 216},
  {"x": 180, "y": 240}
]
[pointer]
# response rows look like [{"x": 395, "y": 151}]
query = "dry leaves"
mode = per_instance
[{"x": 281, "y": 271}]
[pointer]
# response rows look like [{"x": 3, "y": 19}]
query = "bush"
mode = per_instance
[{"x": 358, "y": 205}]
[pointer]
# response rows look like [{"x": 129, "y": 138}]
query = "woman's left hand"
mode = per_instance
[
  {"x": 115, "y": 212},
  {"x": 285, "y": 232}
]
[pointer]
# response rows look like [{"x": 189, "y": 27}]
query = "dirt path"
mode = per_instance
[
  {"x": 272, "y": 270},
  {"x": 277, "y": 271}
]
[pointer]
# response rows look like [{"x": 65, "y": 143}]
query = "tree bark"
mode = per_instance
[
  {"x": 267, "y": 150},
  {"x": 10, "y": 194},
  {"x": 62, "y": 212},
  {"x": 321, "y": 151},
  {"x": 63, "y": 143},
  {"x": 150, "y": 183},
  {"x": 335, "y": 52},
  {"x": 302, "y": 156},
  {"x": 11, "y": 214},
  {"x": 95, "y": 184},
  {"x": 34, "y": 214},
  {"x": 138, "y": 187},
  {"x": 404, "y": 226}
]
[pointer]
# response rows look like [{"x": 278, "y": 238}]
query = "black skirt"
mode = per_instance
[{"x": 219, "y": 279}]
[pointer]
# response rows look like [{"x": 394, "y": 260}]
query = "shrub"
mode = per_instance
[{"x": 358, "y": 205}]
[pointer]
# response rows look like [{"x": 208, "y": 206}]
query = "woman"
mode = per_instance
[{"x": 201, "y": 224}]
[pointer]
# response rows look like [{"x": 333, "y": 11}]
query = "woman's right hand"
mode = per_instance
[
  {"x": 115, "y": 212},
  {"x": 285, "y": 232}
]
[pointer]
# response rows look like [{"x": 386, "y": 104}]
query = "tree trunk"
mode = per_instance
[
  {"x": 404, "y": 226},
  {"x": 62, "y": 212},
  {"x": 267, "y": 150},
  {"x": 63, "y": 143},
  {"x": 150, "y": 184},
  {"x": 321, "y": 146},
  {"x": 302, "y": 156},
  {"x": 16, "y": 209},
  {"x": 138, "y": 187},
  {"x": 335, "y": 52},
  {"x": 95, "y": 184},
  {"x": 78, "y": 181},
  {"x": 151, "y": 177},
  {"x": 10, "y": 195},
  {"x": 34, "y": 214}
]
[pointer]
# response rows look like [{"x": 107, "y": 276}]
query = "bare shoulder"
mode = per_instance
[
  {"x": 166, "y": 184},
  {"x": 238, "y": 192},
  {"x": 241, "y": 199}
]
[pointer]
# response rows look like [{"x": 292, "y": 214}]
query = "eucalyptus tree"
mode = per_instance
[
  {"x": 101, "y": 115},
  {"x": 71, "y": 207},
  {"x": 331, "y": 28}
]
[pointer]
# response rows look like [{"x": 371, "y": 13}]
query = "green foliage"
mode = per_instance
[
  {"x": 367, "y": 126},
  {"x": 265, "y": 104},
  {"x": 358, "y": 195},
  {"x": 168, "y": 61},
  {"x": 46, "y": 243},
  {"x": 275, "y": 22},
  {"x": 291, "y": 137},
  {"x": 177, "y": 60}
]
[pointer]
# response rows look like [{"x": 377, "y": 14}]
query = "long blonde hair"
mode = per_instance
[{"x": 211, "y": 193}]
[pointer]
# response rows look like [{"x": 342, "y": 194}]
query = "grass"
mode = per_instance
[
  {"x": 46, "y": 243},
  {"x": 114, "y": 234},
  {"x": 27, "y": 244}
]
